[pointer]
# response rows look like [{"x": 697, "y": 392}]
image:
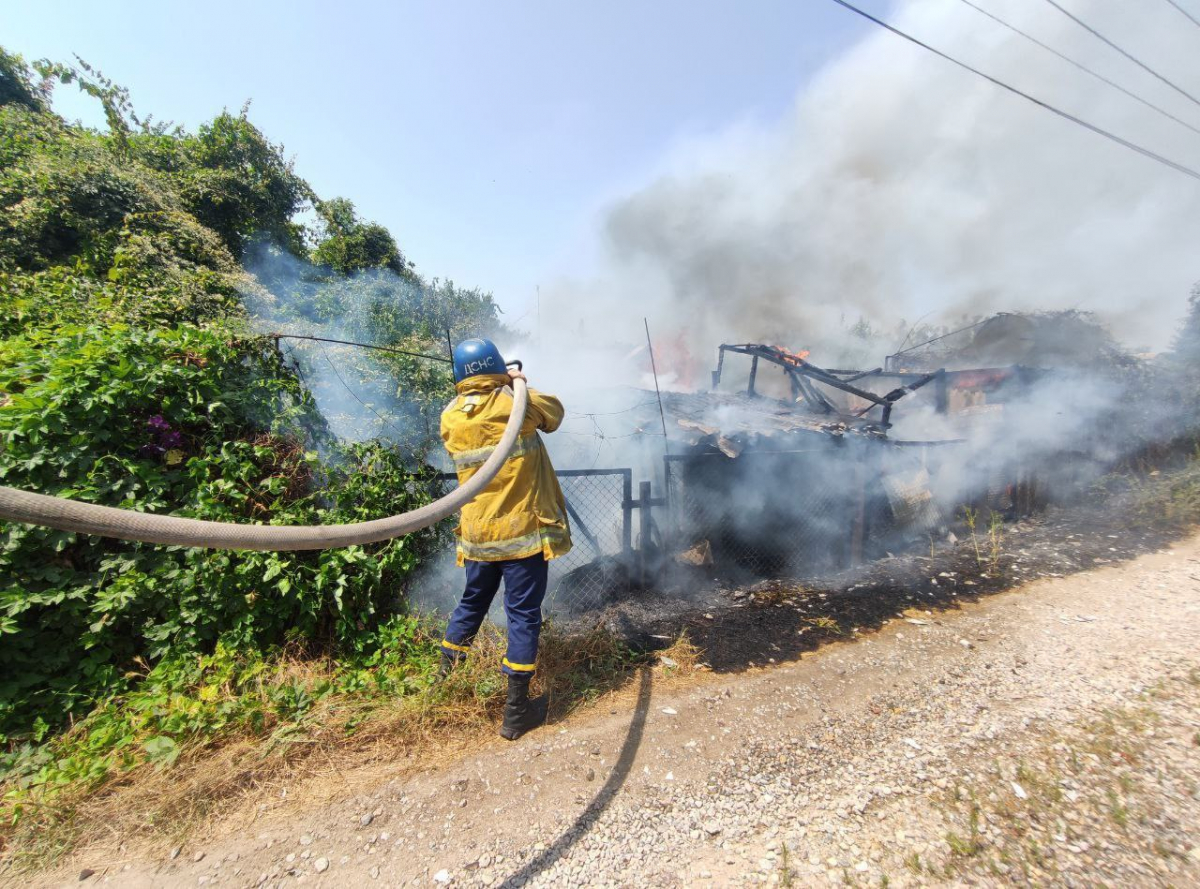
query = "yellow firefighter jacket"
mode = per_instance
[{"x": 522, "y": 511}]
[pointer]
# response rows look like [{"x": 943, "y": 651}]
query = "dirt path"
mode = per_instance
[{"x": 1048, "y": 734}]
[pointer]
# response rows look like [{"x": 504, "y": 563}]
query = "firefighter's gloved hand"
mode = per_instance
[{"x": 517, "y": 375}]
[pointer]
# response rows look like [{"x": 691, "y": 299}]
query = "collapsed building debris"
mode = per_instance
[
  {"x": 794, "y": 468},
  {"x": 806, "y": 379},
  {"x": 1058, "y": 339},
  {"x": 787, "y": 468}
]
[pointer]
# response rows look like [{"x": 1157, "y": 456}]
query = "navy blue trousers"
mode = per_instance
[{"x": 524, "y": 589}]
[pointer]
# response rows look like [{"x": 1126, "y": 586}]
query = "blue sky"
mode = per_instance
[{"x": 487, "y": 136}]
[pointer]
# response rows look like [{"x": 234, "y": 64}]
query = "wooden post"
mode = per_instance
[
  {"x": 943, "y": 393},
  {"x": 644, "y": 498},
  {"x": 859, "y": 523}
]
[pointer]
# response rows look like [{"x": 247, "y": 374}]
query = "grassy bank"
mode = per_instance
[{"x": 204, "y": 734}]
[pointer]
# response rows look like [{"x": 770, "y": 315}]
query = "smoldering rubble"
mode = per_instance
[{"x": 785, "y": 466}]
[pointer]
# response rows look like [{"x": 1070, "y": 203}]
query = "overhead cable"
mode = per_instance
[
  {"x": 354, "y": 395},
  {"x": 1195, "y": 21},
  {"x": 1077, "y": 20},
  {"x": 323, "y": 339},
  {"x": 1083, "y": 67},
  {"x": 1146, "y": 152}
]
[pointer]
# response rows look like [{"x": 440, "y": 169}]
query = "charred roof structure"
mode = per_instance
[
  {"x": 814, "y": 401},
  {"x": 789, "y": 465},
  {"x": 1061, "y": 339}
]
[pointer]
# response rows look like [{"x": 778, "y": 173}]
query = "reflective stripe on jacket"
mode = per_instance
[{"x": 522, "y": 511}]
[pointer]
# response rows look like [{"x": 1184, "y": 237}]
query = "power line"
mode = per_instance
[
  {"x": 1082, "y": 67},
  {"x": 354, "y": 394},
  {"x": 1127, "y": 55},
  {"x": 574, "y": 415},
  {"x": 394, "y": 351},
  {"x": 1146, "y": 152},
  {"x": 1195, "y": 21}
]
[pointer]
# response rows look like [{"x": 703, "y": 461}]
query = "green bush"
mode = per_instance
[
  {"x": 127, "y": 378},
  {"x": 194, "y": 423},
  {"x": 189, "y": 699}
]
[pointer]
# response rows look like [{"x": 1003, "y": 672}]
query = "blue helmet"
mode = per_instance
[{"x": 475, "y": 357}]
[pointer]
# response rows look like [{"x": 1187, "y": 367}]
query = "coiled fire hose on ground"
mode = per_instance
[{"x": 126, "y": 524}]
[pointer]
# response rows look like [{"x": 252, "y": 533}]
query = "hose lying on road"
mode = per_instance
[{"x": 126, "y": 524}]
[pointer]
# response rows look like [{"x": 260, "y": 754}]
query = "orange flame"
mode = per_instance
[{"x": 793, "y": 358}]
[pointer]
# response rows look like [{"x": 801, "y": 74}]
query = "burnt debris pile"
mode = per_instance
[
  {"x": 784, "y": 468},
  {"x": 788, "y": 468}
]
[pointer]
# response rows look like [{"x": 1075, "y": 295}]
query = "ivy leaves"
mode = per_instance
[{"x": 183, "y": 421}]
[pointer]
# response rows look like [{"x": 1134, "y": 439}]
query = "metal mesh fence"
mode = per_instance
[
  {"x": 781, "y": 513},
  {"x": 764, "y": 512},
  {"x": 798, "y": 512},
  {"x": 596, "y": 570},
  {"x": 905, "y": 509}
]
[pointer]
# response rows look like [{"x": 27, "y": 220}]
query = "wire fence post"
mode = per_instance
[
  {"x": 627, "y": 512},
  {"x": 644, "y": 543},
  {"x": 859, "y": 521},
  {"x": 942, "y": 392}
]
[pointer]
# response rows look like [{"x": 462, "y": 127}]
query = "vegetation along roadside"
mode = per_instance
[
  {"x": 143, "y": 687},
  {"x": 132, "y": 374}
]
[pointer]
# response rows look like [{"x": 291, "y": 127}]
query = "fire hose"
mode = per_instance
[{"x": 126, "y": 524}]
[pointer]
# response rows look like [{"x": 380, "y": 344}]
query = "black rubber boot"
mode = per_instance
[
  {"x": 521, "y": 714},
  {"x": 450, "y": 660}
]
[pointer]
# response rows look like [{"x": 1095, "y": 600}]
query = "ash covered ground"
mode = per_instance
[{"x": 740, "y": 624}]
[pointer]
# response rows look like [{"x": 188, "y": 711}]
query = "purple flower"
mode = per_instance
[{"x": 162, "y": 438}]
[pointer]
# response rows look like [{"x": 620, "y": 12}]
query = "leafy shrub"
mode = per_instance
[
  {"x": 16, "y": 83},
  {"x": 191, "y": 422},
  {"x": 349, "y": 245},
  {"x": 235, "y": 182},
  {"x": 127, "y": 379},
  {"x": 65, "y": 194}
]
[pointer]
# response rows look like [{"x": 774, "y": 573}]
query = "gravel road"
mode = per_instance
[{"x": 1046, "y": 735}]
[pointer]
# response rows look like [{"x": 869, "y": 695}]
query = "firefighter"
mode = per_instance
[{"x": 512, "y": 529}]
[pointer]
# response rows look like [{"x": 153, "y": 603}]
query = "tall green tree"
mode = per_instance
[
  {"x": 128, "y": 376},
  {"x": 239, "y": 184},
  {"x": 16, "y": 84},
  {"x": 347, "y": 244}
]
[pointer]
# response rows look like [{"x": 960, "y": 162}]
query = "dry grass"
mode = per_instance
[
  {"x": 681, "y": 659},
  {"x": 825, "y": 625},
  {"x": 776, "y": 592},
  {"x": 342, "y": 744}
]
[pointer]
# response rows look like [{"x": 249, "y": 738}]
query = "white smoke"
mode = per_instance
[
  {"x": 901, "y": 187},
  {"x": 359, "y": 396}
]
